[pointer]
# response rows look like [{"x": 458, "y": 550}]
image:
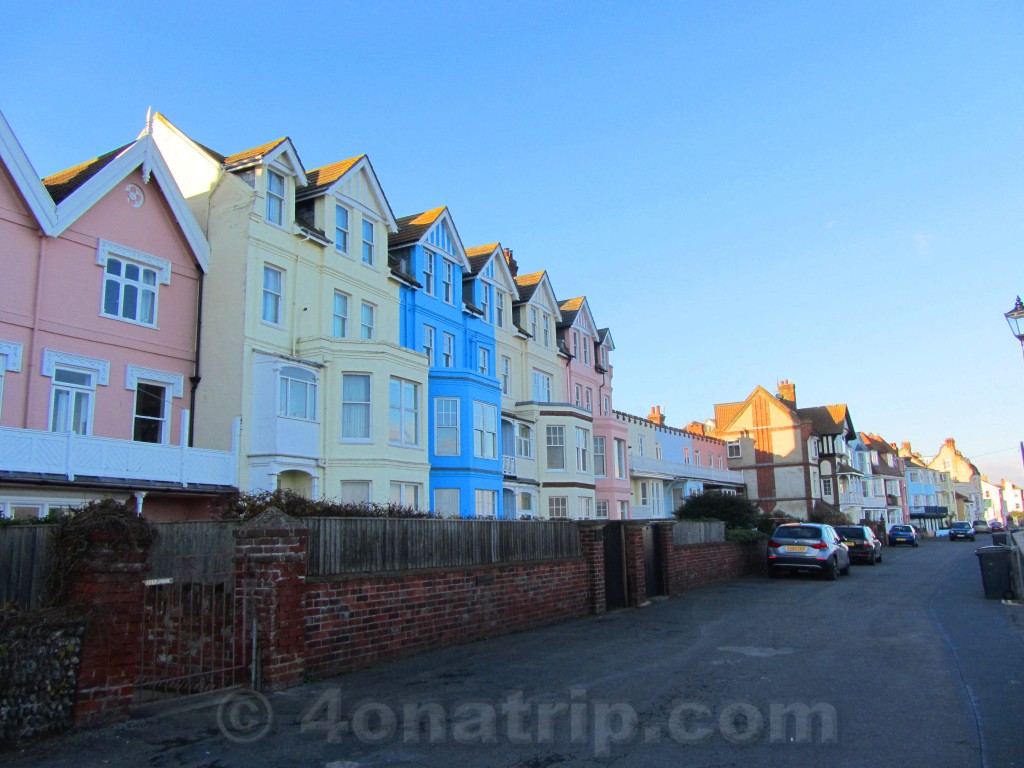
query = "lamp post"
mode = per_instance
[{"x": 1015, "y": 317}]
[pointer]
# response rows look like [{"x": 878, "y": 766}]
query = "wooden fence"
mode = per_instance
[
  {"x": 361, "y": 545},
  {"x": 25, "y": 557},
  {"x": 192, "y": 549},
  {"x": 685, "y": 533}
]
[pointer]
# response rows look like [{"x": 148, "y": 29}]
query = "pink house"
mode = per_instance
[
  {"x": 100, "y": 285},
  {"x": 588, "y": 384}
]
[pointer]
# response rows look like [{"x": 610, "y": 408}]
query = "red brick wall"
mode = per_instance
[
  {"x": 698, "y": 565},
  {"x": 352, "y": 622}
]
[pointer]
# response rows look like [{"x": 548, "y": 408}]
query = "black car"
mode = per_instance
[
  {"x": 862, "y": 543},
  {"x": 961, "y": 531}
]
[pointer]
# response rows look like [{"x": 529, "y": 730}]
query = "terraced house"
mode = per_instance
[
  {"x": 103, "y": 266},
  {"x": 451, "y": 322},
  {"x": 301, "y": 329}
]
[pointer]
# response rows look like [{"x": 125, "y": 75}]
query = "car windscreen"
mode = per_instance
[
  {"x": 797, "y": 532},
  {"x": 962, "y": 526},
  {"x": 901, "y": 528},
  {"x": 851, "y": 533}
]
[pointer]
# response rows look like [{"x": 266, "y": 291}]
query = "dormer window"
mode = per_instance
[
  {"x": 341, "y": 229},
  {"x": 275, "y": 198},
  {"x": 547, "y": 331},
  {"x": 367, "y": 243}
]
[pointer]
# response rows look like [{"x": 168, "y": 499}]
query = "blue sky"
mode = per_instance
[{"x": 831, "y": 193}]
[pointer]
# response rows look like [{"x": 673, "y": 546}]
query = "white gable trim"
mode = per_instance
[
  {"x": 142, "y": 151},
  {"x": 385, "y": 213},
  {"x": 460, "y": 250},
  {"x": 284, "y": 157},
  {"x": 547, "y": 300},
  {"x": 505, "y": 281},
  {"x": 25, "y": 177}
]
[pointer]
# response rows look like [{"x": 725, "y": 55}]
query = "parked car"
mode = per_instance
[
  {"x": 982, "y": 526},
  {"x": 996, "y": 526},
  {"x": 902, "y": 534},
  {"x": 861, "y": 542},
  {"x": 807, "y": 547},
  {"x": 961, "y": 531}
]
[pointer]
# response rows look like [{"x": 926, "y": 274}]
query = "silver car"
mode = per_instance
[{"x": 807, "y": 547}]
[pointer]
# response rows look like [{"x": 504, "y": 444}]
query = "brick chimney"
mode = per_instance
[
  {"x": 513, "y": 267},
  {"x": 656, "y": 416},
  {"x": 905, "y": 447},
  {"x": 951, "y": 443},
  {"x": 787, "y": 392}
]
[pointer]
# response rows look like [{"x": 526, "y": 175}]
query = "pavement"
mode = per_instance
[{"x": 904, "y": 663}]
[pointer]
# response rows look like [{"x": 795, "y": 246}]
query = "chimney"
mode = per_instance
[
  {"x": 787, "y": 392},
  {"x": 513, "y": 267},
  {"x": 656, "y": 416},
  {"x": 951, "y": 443},
  {"x": 905, "y": 447}
]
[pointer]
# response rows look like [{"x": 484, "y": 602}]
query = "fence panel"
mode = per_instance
[
  {"x": 212, "y": 542},
  {"x": 358, "y": 545},
  {"x": 25, "y": 557},
  {"x": 691, "y": 532}
]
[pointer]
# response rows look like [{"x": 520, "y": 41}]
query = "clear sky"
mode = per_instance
[{"x": 829, "y": 192}]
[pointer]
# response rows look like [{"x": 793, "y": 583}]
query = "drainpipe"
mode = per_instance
[
  {"x": 30, "y": 358},
  {"x": 196, "y": 378}
]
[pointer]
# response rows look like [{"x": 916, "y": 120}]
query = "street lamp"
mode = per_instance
[{"x": 1015, "y": 317}]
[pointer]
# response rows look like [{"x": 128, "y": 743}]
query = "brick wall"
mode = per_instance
[
  {"x": 699, "y": 565},
  {"x": 352, "y": 622}
]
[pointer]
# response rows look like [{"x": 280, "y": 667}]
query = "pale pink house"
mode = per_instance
[
  {"x": 100, "y": 286},
  {"x": 588, "y": 384}
]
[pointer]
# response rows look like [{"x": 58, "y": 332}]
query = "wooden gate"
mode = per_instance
[{"x": 615, "y": 594}]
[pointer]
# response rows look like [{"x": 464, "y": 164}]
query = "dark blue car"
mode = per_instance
[{"x": 902, "y": 534}]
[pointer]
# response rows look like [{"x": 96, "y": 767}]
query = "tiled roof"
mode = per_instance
[
  {"x": 476, "y": 263},
  {"x": 61, "y": 184},
  {"x": 825, "y": 419},
  {"x": 321, "y": 178},
  {"x": 255, "y": 152},
  {"x": 481, "y": 250},
  {"x": 527, "y": 284},
  {"x": 412, "y": 228},
  {"x": 570, "y": 309},
  {"x": 726, "y": 412}
]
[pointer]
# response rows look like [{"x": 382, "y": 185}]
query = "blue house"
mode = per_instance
[{"x": 440, "y": 315}]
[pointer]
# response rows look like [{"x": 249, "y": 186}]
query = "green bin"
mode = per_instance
[{"x": 995, "y": 571}]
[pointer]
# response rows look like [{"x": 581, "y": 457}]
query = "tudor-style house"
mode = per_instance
[{"x": 102, "y": 266}]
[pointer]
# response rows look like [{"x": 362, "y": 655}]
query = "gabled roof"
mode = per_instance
[
  {"x": 63, "y": 183},
  {"x": 411, "y": 230},
  {"x": 80, "y": 187},
  {"x": 329, "y": 179},
  {"x": 604, "y": 336},
  {"x": 727, "y": 413},
  {"x": 480, "y": 256},
  {"x": 828, "y": 419},
  {"x": 248, "y": 156},
  {"x": 527, "y": 284},
  {"x": 570, "y": 309}
]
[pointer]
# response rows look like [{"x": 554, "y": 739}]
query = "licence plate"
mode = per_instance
[{"x": 795, "y": 549}]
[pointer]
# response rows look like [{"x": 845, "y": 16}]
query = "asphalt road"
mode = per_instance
[{"x": 904, "y": 663}]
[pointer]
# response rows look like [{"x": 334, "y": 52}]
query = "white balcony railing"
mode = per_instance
[
  {"x": 644, "y": 465},
  {"x": 72, "y": 456}
]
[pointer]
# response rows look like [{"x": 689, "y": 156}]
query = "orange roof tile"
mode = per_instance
[
  {"x": 252, "y": 154},
  {"x": 328, "y": 174},
  {"x": 411, "y": 228},
  {"x": 481, "y": 250}
]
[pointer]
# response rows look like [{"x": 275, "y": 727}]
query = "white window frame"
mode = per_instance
[
  {"x": 506, "y": 375},
  {"x": 400, "y": 491},
  {"x": 347, "y": 489},
  {"x": 363, "y": 406},
  {"x": 547, "y": 329},
  {"x": 588, "y": 400},
  {"x": 600, "y": 457},
  {"x": 601, "y": 509},
  {"x": 576, "y": 344},
  {"x": 448, "y": 281},
  {"x": 447, "y": 502},
  {"x": 72, "y": 393},
  {"x": 734, "y": 449},
  {"x": 586, "y": 508},
  {"x": 429, "y": 343},
  {"x": 524, "y": 441},
  {"x": 485, "y": 303},
  {"x": 586, "y": 352},
  {"x": 146, "y": 267},
  {"x": 555, "y": 447},
  {"x": 607, "y": 404},
  {"x": 306, "y": 381},
  {"x": 578, "y": 395},
  {"x": 339, "y": 318},
  {"x": 446, "y": 417},
  {"x": 582, "y": 449},
  {"x": 558, "y": 507},
  {"x": 162, "y": 421},
  {"x": 485, "y": 503},
  {"x": 273, "y": 216},
  {"x": 448, "y": 355},
  {"x": 406, "y": 408},
  {"x": 533, "y": 323},
  {"x": 485, "y": 430},
  {"x": 499, "y": 308},
  {"x": 484, "y": 360},
  {"x": 429, "y": 286},
  {"x": 541, "y": 387},
  {"x": 826, "y": 486},
  {"x": 369, "y": 255},
  {"x": 341, "y": 232},
  {"x": 367, "y": 330},
  {"x": 272, "y": 311},
  {"x": 620, "y": 458}
]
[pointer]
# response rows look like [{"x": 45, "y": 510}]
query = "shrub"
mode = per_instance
[
  {"x": 745, "y": 535},
  {"x": 734, "y": 511},
  {"x": 243, "y": 505}
]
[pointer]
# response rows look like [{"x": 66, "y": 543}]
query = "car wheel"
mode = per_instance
[{"x": 832, "y": 570}]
